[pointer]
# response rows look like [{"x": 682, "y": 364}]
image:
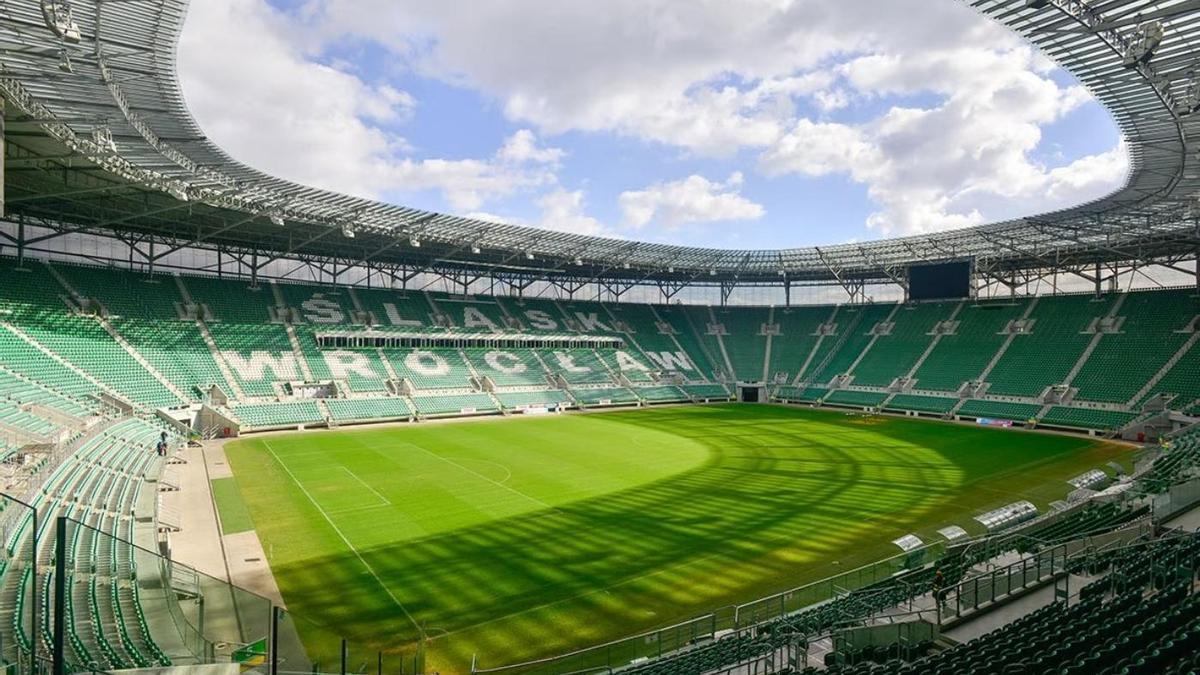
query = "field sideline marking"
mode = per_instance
[
  {"x": 364, "y": 484},
  {"x": 337, "y": 529},
  {"x": 479, "y": 475}
]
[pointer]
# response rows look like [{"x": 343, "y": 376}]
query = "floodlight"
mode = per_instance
[
  {"x": 348, "y": 231},
  {"x": 276, "y": 219},
  {"x": 64, "y": 62},
  {"x": 475, "y": 250},
  {"x": 57, "y": 15},
  {"x": 625, "y": 265},
  {"x": 416, "y": 243},
  {"x": 671, "y": 269},
  {"x": 529, "y": 255},
  {"x": 1190, "y": 101},
  {"x": 102, "y": 135},
  {"x": 178, "y": 192},
  {"x": 1145, "y": 39},
  {"x": 578, "y": 261}
]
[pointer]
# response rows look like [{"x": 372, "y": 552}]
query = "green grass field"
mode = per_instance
[{"x": 520, "y": 538}]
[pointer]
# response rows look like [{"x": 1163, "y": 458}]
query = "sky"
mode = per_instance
[{"x": 724, "y": 123}]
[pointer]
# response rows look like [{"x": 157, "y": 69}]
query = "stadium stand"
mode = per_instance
[
  {"x": 1152, "y": 329},
  {"x": 604, "y": 396},
  {"x": 98, "y": 485},
  {"x": 454, "y": 404},
  {"x": 508, "y": 367},
  {"x": 1004, "y": 410},
  {"x": 797, "y": 338},
  {"x": 136, "y": 342},
  {"x": 661, "y": 394},
  {"x": 1182, "y": 381},
  {"x": 259, "y": 355},
  {"x": 706, "y": 391},
  {"x": 1045, "y": 355},
  {"x": 364, "y": 409},
  {"x": 431, "y": 368},
  {"x": 687, "y": 334},
  {"x": 743, "y": 340},
  {"x": 963, "y": 355},
  {"x": 852, "y": 338},
  {"x": 526, "y": 399},
  {"x": 275, "y": 415},
  {"x": 893, "y": 355},
  {"x": 856, "y": 398},
  {"x": 1085, "y": 418},
  {"x": 928, "y": 404},
  {"x": 576, "y": 366}
]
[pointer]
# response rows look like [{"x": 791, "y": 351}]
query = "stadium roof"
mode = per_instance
[{"x": 99, "y": 138}]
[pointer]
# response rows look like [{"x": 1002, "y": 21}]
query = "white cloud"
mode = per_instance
[
  {"x": 522, "y": 147},
  {"x": 694, "y": 199},
  {"x": 257, "y": 94},
  {"x": 773, "y": 79},
  {"x": 965, "y": 161},
  {"x": 560, "y": 210},
  {"x": 564, "y": 211},
  {"x": 709, "y": 76}
]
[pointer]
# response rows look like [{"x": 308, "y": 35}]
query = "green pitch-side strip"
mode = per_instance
[{"x": 235, "y": 517}]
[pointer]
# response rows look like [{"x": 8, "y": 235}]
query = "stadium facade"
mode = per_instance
[{"x": 299, "y": 307}]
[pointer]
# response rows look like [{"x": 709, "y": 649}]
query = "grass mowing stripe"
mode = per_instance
[{"x": 345, "y": 540}]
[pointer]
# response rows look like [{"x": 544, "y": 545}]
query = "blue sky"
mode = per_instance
[{"x": 687, "y": 122}]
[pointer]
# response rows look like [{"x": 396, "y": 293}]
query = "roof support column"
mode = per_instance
[
  {"x": 3, "y": 152},
  {"x": 726, "y": 291},
  {"x": 787, "y": 292},
  {"x": 254, "y": 269},
  {"x": 21, "y": 243}
]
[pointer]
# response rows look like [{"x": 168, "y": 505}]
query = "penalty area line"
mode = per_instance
[
  {"x": 480, "y": 476},
  {"x": 362, "y": 482},
  {"x": 339, "y": 532}
]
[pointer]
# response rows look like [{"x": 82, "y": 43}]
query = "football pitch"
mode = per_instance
[{"x": 521, "y": 538}]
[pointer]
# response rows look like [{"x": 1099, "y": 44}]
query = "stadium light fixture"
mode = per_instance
[
  {"x": 64, "y": 62},
  {"x": 578, "y": 260},
  {"x": 414, "y": 242},
  {"x": 276, "y": 219},
  {"x": 348, "y": 231},
  {"x": 103, "y": 137},
  {"x": 529, "y": 255},
  {"x": 671, "y": 269},
  {"x": 712, "y": 272},
  {"x": 178, "y": 192},
  {"x": 57, "y": 15},
  {"x": 1145, "y": 39},
  {"x": 475, "y": 250},
  {"x": 625, "y": 265},
  {"x": 1190, "y": 101}
]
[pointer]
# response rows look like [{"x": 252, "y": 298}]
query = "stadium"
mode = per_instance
[{"x": 248, "y": 425}]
